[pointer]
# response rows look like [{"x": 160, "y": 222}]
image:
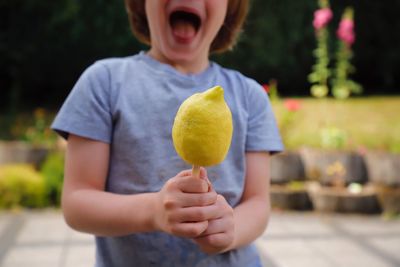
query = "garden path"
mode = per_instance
[{"x": 292, "y": 240}]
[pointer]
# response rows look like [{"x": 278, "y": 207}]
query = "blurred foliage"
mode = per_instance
[
  {"x": 33, "y": 127},
  {"x": 288, "y": 116},
  {"x": 53, "y": 173},
  {"x": 278, "y": 38},
  {"x": 343, "y": 86},
  {"x": 297, "y": 185},
  {"x": 354, "y": 124},
  {"x": 45, "y": 46},
  {"x": 21, "y": 185},
  {"x": 278, "y": 43},
  {"x": 333, "y": 138},
  {"x": 39, "y": 133}
]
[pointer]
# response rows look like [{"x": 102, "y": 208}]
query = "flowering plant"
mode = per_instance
[
  {"x": 346, "y": 28},
  {"x": 322, "y": 17},
  {"x": 342, "y": 85},
  {"x": 320, "y": 71},
  {"x": 330, "y": 136}
]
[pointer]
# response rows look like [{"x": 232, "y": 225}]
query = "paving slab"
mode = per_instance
[
  {"x": 312, "y": 239},
  {"x": 3, "y": 224},
  {"x": 342, "y": 252},
  {"x": 80, "y": 256},
  {"x": 33, "y": 256},
  {"x": 43, "y": 229},
  {"x": 293, "y": 239},
  {"x": 388, "y": 244}
]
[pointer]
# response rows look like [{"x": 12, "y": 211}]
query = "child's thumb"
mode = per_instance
[{"x": 204, "y": 176}]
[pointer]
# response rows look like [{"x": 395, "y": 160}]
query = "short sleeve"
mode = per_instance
[
  {"x": 262, "y": 130},
  {"x": 86, "y": 111}
]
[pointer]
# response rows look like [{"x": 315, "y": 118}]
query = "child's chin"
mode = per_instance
[{"x": 179, "y": 56}]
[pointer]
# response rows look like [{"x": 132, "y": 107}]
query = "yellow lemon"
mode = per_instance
[{"x": 202, "y": 130}]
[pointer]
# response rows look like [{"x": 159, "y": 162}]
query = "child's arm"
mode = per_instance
[
  {"x": 247, "y": 221},
  {"x": 182, "y": 207},
  {"x": 252, "y": 214}
]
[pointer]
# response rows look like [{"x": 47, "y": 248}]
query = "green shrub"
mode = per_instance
[
  {"x": 21, "y": 185},
  {"x": 53, "y": 173}
]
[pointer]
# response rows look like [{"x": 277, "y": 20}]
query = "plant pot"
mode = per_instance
[
  {"x": 383, "y": 168},
  {"x": 22, "y": 152},
  {"x": 317, "y": 163},
  {"x": 286, "y": 198},
  {"x": 389, "y": 199},
  {"x": 331, "y": 199},
  {"x": 286, "y": 167}
]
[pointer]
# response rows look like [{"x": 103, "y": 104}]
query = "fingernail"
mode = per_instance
[{"x": 209, "y": 185}]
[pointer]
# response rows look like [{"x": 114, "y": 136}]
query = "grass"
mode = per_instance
[{"x": 367, "y": 122}]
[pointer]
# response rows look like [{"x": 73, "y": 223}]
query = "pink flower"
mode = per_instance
[
  {"x": 292, "y": 104},
  {"x": 346, "y": 31},
  {"x": 322, "y": 17}
]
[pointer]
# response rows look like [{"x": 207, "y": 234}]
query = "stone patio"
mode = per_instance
[{"x": 293, "y": 239}]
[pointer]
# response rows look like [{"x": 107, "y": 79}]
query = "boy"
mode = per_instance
[{"x": 120, "y": 156}]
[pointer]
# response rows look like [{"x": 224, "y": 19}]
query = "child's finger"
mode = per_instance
[
  {"x": 190, "y": 184},
  {"x": 185, "y": 173},
  {"x": 214, "y": 227},
  {"x": 203, "y": 173},
  {"x": 219, "y": 240},
  {"x": 197, "y": 214},
  {"x": 199, "y": 200},
  {"x": 189, "y": 230}
]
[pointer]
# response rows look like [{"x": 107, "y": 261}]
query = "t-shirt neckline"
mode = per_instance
[{"x": 200, "y": 77}]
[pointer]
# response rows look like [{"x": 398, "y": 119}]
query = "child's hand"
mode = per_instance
[
  {"x": 219, "y": 235},
  {"x": 185, "y": 204}
]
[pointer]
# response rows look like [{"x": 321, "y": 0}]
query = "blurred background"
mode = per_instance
[
  {"x": 343, "y": 153},
  {"x": 45, "y": 46}
]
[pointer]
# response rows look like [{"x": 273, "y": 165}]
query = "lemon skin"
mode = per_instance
[{"x": 202, "y": 130}]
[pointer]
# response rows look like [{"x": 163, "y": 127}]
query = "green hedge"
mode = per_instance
[
  {"x": 21, "y": 185},
  {"x": 53, "y": 173}
]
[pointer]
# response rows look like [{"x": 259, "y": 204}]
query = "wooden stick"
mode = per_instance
[{"x": 196, "y": 171}]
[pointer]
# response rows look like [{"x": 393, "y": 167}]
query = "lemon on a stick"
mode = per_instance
[{"x": 202, "y": 130}]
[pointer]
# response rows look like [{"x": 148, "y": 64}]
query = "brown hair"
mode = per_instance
[{"x": 225, "y": 39}]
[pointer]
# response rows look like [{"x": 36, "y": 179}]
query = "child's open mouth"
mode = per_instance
[{"x": 184, "y": 24}]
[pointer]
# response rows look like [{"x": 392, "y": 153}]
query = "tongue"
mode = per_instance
[{"x": 183, "y": 29}]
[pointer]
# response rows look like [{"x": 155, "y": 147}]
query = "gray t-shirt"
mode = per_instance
[{"x": 130, "y": 103}]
